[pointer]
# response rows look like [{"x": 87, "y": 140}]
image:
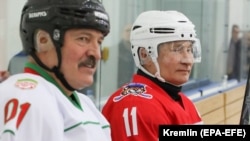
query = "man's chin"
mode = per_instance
[{"x": 86, "y": 84}]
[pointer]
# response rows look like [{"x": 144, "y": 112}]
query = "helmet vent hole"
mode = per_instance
[
  {"x": 182, "y": 35},
  {"x": 182, "y": 21},
  {"x": 74, "y": 13},
  {"x": 135, "y": 27},
  {"x": 161, "y": 30},
  {"x": 191, "y": 35}
]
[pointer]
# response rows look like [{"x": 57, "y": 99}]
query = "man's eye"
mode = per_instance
[
  {"x": 190, "y": 50},
  {"x": 178, "y": 49},
  {"x": 182, "y": 48},
  {"x": 100, "y": 42},
  {"x": 82, "y": 38}
]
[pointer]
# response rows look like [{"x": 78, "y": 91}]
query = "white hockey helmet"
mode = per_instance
[{"x": 152, "y": 28}]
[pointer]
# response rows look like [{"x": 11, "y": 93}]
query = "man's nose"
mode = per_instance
[{"x": 95, "y": 50}]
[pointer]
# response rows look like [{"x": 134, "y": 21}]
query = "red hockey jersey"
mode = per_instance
[{"x": 136, "y": 110}]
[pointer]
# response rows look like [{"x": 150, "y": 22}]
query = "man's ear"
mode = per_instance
[
  {"x": 143, "y": 54},
  {"x": 43, "y": 41}
]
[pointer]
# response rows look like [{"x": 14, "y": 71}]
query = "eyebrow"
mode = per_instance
[
  {"x": 178, "y": 44},
  {"x": 88, "y": 34}
]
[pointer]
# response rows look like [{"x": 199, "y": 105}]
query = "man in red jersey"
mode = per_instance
[{"x": 164, "y": 47}]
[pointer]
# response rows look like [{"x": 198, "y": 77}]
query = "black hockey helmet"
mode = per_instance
[{"x": 57, "y": 16}]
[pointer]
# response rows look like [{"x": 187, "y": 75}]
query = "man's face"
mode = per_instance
[
  {"x": 80, "y": 56},
  {"x": 175, "y": 61}
]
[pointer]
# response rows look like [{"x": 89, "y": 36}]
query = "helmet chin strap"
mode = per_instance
[
  {"x": 158, "y": 75},
  {"x": 57, "y": 72},
  {"x": 55, "y": 69},
  {"x": 60, "y": 76}
]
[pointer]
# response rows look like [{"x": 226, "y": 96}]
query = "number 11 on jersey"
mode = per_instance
[{"x": 134, "y": 121}]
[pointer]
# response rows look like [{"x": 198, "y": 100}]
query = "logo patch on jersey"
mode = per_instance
[
  {"x": 135, "y": 89},
  {"x": 26, "y": 83}
]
